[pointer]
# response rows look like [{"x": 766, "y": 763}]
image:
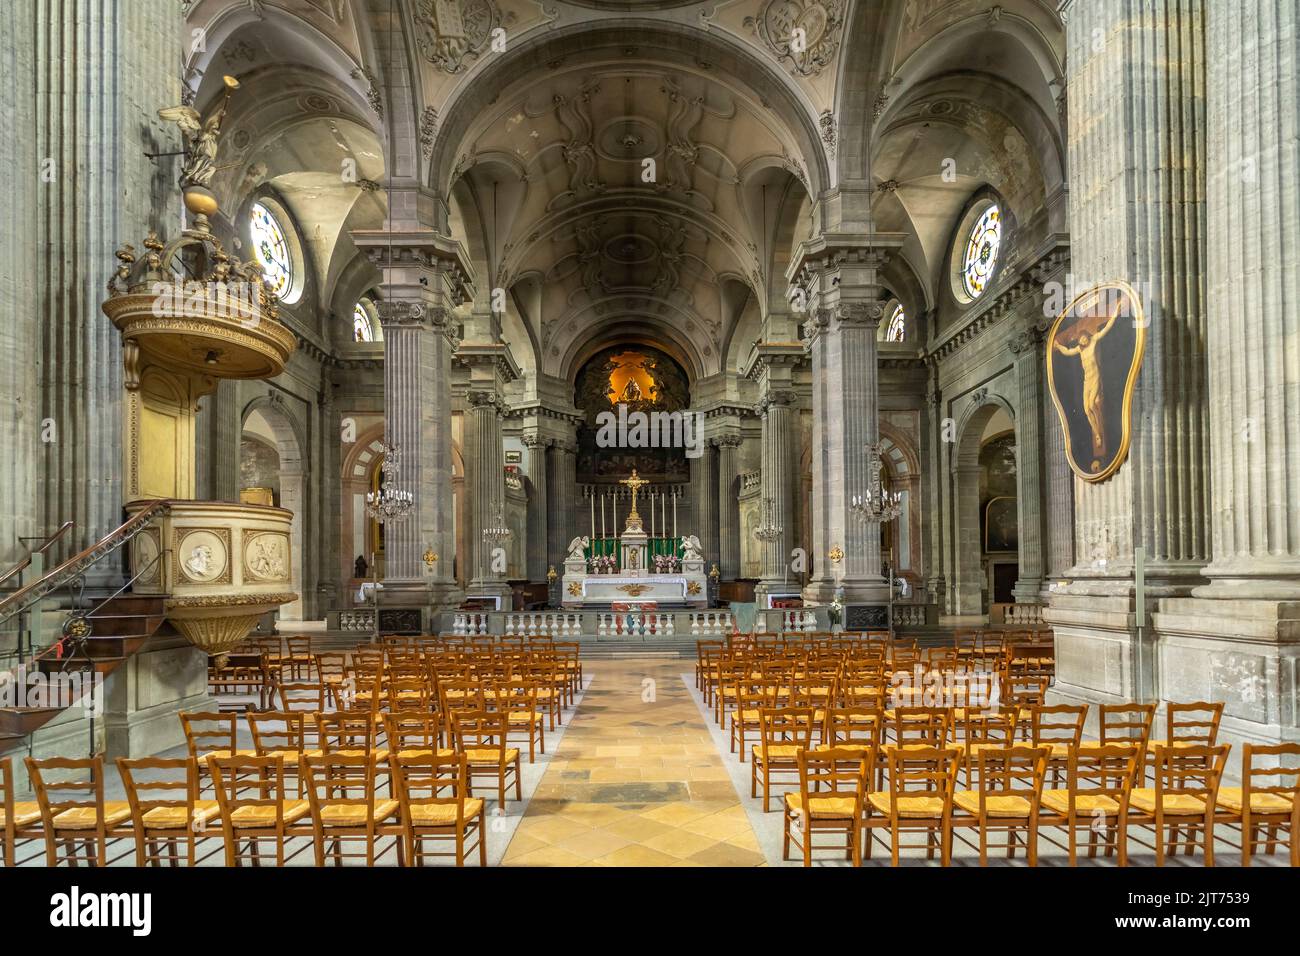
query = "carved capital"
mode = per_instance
[
  {"x": 864, "y": 314},
  {"x": 396, "y": 313},
  {"x": 726, "y": 441},
  {"x": 482, "y": 399},
  {"x": 777, "y": 398}
]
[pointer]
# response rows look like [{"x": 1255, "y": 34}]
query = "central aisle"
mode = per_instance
[{"x": 636, "y": 781}]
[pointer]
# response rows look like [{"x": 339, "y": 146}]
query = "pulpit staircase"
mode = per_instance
[{"x": 94, "y": 641}]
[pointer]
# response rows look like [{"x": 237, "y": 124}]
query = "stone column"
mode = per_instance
[
  {"x": 425, "y": 276},
  {"x": 102, "y": 71},
  {"x": 840, "y": 273},
  {"x": 563, "y": 483},
  {"x": 218, "y": 428},
  {"x": 728, "y": 506},
  {"x": 1235, "y": 641},
  {"x": 704, "y": 478},
  {"x": 1058, "y": 498},
  {"x": 485, "y": 488},
  {"x": 777, "y": 410},
  {"x": 1028, "y": 351},
  {"x": 1136, "y": 80},
  {"x": 20, "y": 398},
  {"x": 538, "y": 546}
]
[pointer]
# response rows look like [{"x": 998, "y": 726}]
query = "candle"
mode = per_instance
[
  {"x": 652, "y": 516},
  {"x": 602, "y": 516},
  {"x": 674, "y": 517},
  {"x": 593, "y": 514},
  {"x": 614, "y": 502},
  {"x": 663, "y": 514}
]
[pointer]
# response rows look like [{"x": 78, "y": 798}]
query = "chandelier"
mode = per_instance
[
  {"x": 498, "y": 531},
  {"x": 389, "y": 503},
  {"x": 877, "y": 504},
  {"x": 768, "y": 530}
]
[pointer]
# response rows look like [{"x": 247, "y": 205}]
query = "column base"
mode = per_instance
[
  {"x": 143, "y": 697},
  {"x": 1242, "y": 652}
]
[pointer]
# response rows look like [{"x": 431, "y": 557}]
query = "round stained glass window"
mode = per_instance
[
  {"x": 362, "y": 330},
  {"x": 271, "y": 250},
  {"x": 896, "y": 331},
  {"x": 982, "y": 252}
]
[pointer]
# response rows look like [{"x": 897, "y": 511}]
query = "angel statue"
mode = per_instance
[
  {"x": 201, "y": 138},
  {"x": 692, "y": 549},
  {"x": 576, "y": 548}
]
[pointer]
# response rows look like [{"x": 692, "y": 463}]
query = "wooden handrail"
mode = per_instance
[
  {"x": 123, "y": 533},
  {"x": 46, "y": 544}
]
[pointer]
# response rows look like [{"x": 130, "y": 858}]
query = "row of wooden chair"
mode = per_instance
[
  {"x": 253, "y": 815},
  {"x": 1006, "y": 798}
]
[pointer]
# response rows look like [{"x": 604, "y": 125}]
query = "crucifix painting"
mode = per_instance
[{"x": 1094, "y": 353}]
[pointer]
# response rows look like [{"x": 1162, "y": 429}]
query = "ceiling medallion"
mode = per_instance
[
  {"x": 805, "y": 32},
  {"x": 454, "y": 31}
]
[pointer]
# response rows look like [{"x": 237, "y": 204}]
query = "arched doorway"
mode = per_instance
[
  {"x": 985, "y": 512},
  {"x": 272, "y": 473}
]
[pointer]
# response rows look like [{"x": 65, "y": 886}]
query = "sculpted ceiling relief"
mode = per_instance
[
  {"x": 804, "y": 34},
  {"x": 452, "y": 32}
]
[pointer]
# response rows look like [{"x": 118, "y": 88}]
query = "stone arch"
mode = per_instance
[
  {"x": 290, "y": 442},
  {"x": 968, "y": 582},
  {"x": 902, "y": 465}
]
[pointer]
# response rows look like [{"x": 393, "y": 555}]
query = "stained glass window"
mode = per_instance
[
  {"x": 896, "y": 331},
  {"x": 271, "y": 249},
  {"x": 362, "y": 330},
  {"x": 982, "y": 252}
]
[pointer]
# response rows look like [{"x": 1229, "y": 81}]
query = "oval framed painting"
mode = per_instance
[{"x": 1094, "y": 354}]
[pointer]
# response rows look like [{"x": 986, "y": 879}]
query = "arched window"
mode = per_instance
[
  {"x": 272, "y": 250},
  {"x": 896, "y": 331},
  {"x": 981, "y": 252},
  {"x": 362, "y": 330}
]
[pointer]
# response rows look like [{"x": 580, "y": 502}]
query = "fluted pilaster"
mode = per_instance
[
  {"x": 704, "y": 478},
  {"x": 20, "y": 400},
  {"x": 1253, "y": 343},
  {"x": 777, "y": 410},
  {"x": 729, "y": 506},
  {"x": 563, "y": 481},
  {"x": 1137, "y": 212},
  {"x": 536, "y": 550},
  {"x": 1028, "y": 352},
  {"x": 486, "y": 480},
  {"x": 102, "y": 70}
]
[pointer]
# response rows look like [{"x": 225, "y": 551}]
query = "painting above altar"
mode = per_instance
[{"x": 645, "y": 380}]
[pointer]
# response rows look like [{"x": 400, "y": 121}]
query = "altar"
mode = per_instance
[{"x": 634, "y": 569}]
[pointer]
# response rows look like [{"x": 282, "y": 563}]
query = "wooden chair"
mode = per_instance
[
  {"x": 255, "y": 808},
  {"x": 922, "y": 780},
  {"x": 299, "y": 659},
  {"x": 332, "y": 671},
  {"x": 281, "y": 734},
  {"x": 211, "y": 734},
  {"x": 1005, "y": 800},
  {"x": 1059, "y": 727},
  {"x": 167, "y": 815},
  {"x": 853, "y": 728},
  {"x": 350, "y": 732},
  {"x": 981, "y": 730},
  {"x": 518, "y": 700},
  {"x": 1123, "y": 724},
  {"x": 482, "y": 736},
  {"x": 1193, "y": 724},
  {"x": 413, "y": 735},
  {"x": 753, "y": 695},
  {"x": 1259, "y": 806},
  {"x": 302, "y": 696},
  {"x": 21, "y": 819},
  {"x": 832, "y": 790},
  {"x": 428, "y": 815},
  {"x": 1183, "y": 799},
  {"x": 1098, "y": 783},
  {"x": 74, "y": 814},
  {"x": 341, "y": 793},
  {"x": 783, "y": 732}
]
